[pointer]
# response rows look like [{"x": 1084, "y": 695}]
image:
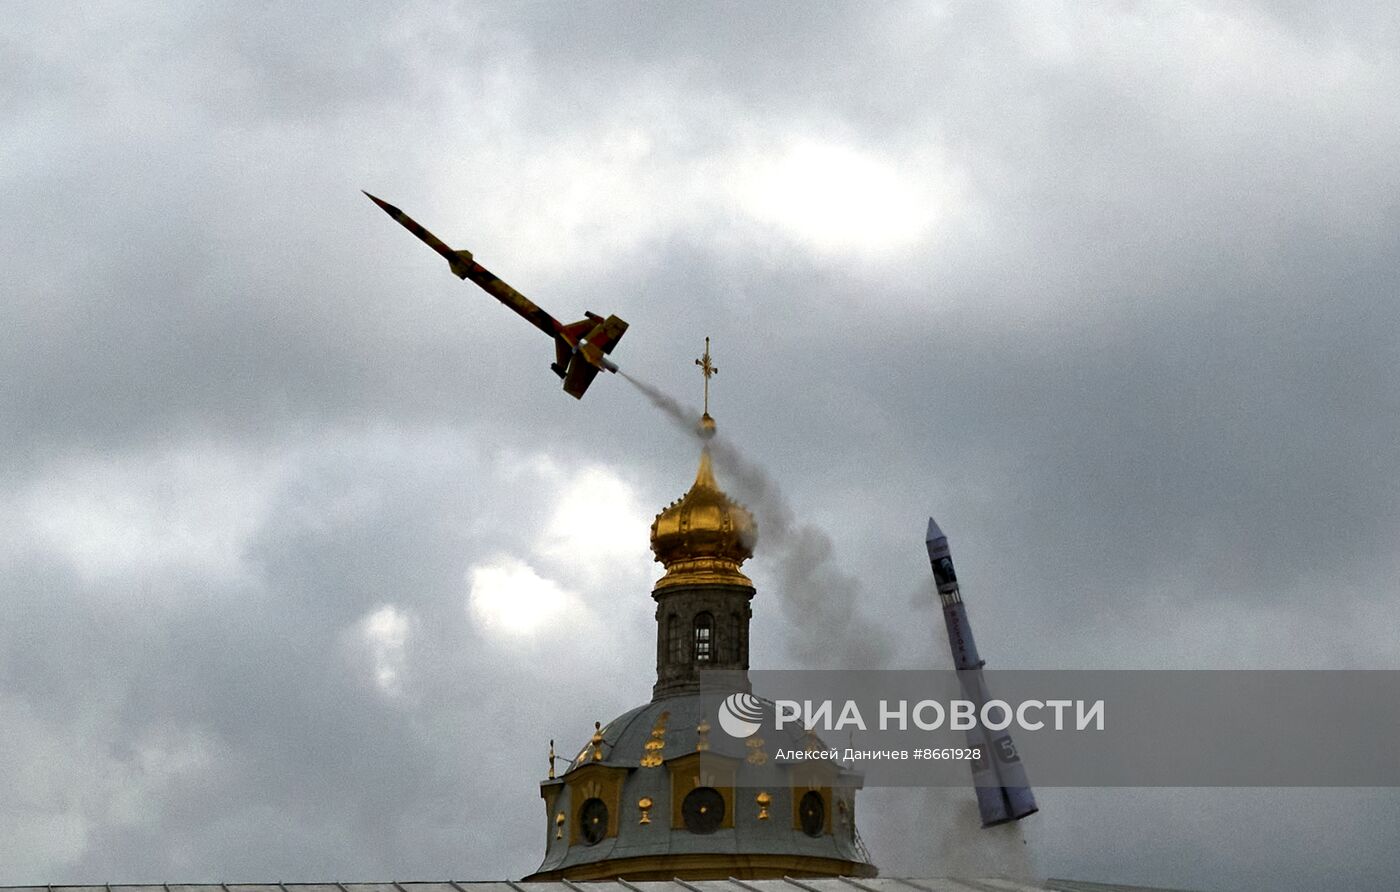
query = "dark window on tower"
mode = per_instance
[
  {"x": 811, "y": 812},
  {"x": 704, "y": 638}
]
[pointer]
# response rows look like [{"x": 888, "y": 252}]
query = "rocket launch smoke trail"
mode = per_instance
[
  {"x": 818, "y": 597},
  {"x": 668, "y": 405}
]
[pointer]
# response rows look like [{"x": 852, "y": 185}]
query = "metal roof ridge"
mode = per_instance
[
  {"x": 800, "y": 885},
  {"x": 910, "y": 883},
  {"x": 976, "y": 885}
]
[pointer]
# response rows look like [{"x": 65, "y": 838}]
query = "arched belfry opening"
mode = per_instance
[{"x": 703, "y": 636}]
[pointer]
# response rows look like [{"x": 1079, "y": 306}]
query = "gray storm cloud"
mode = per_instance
[{"x": 1135, "y": 350}]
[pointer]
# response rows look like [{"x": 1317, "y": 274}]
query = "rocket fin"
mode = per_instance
[
  {"x": 562, "y": 352},
  {"x": 579, "y": 375},
  {"x": 1003, "y": 793}
]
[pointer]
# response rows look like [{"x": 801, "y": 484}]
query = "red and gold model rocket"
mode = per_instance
[{"x": 579, "y": 347}]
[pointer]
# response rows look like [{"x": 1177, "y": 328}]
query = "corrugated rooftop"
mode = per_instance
[{"x": 831, "y": 884}]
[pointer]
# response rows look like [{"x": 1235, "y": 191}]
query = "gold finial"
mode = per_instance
[
  {"x": 559, "y": 825},
  {"x": 551, "y": 760},
  {"x": 702, "y": 732},
  {"x": 645, "y": 805},
  {"x": 597, "y": 741},
  {"x": 763, "y": 800},
  {"x": 709, "y": 370}
]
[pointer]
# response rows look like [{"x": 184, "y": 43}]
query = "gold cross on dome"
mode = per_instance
[{"x": 709, "y": 370}]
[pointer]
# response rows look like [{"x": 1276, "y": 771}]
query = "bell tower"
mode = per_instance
[{"x": 702, "y": 601}]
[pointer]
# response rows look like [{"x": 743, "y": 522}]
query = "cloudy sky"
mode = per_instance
[{"x": 306, "y": 557}]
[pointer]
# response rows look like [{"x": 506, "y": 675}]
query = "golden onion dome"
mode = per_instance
[{"x": 703, "y": 537}]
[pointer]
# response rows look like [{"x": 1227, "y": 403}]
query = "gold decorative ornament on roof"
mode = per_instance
[
  {"x": 703, "y": 537},
  {"x": 656, "y": 746},
  {"x": 702, "y": 736}
]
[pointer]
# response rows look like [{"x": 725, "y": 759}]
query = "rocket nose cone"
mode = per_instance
[
  {"x": 934, "y": 533},
  {"x": 383, "y": 205}
]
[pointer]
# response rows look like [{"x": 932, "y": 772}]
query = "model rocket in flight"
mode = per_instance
[
  {"x": 1003, "y": 793},
  {"x": 579, "y": 347}
]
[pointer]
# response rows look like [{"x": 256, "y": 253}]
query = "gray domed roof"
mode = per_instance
[{"x": 751, "y": 771}]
